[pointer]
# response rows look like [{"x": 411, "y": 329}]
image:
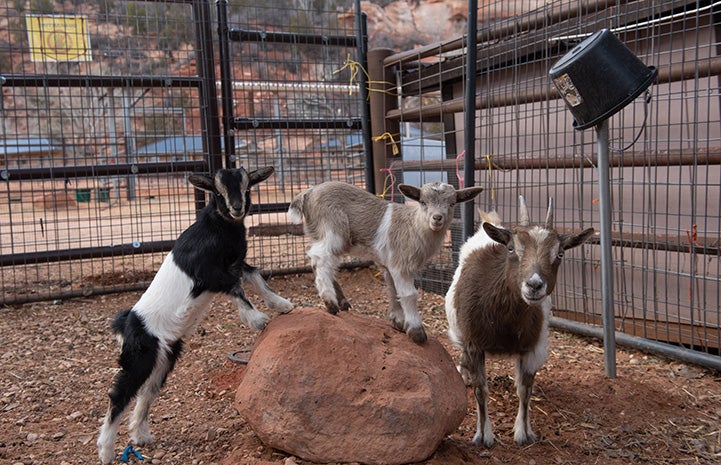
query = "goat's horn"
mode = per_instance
[
  {"x": 549, "y": 214},
  {"x": 524, "y": 211}
]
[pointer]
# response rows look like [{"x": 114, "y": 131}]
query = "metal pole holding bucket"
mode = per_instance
[
  {"x": 604, "y": 200},
  {"x": 598, "y": 78}
]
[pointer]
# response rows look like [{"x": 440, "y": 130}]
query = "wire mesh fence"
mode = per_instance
[
  {"x": 291, "y": 91},
  {"x": 96, "y": 133},
  {"x": 107, "y": 106},
  {"x": 664, "y": 153}
]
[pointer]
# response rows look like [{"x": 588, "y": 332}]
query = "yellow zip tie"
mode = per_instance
[
  {"x": 354, "y": 67},
  {"x": 490, "y": 176},
  {"x": 491, "y": 167},
  {"x": 388, "y": 135},
  {"x": 384, "y": 91}
]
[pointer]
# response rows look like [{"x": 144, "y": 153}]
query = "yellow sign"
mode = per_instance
[{"x": 58, "y": 38}]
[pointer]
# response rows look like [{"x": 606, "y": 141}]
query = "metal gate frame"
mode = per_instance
[
  {"x": 505, "y": 46},
  {"x": 230, "y": 123},
  {"x": 205, "y": 83},
  {"x": 218, "y": 131}
]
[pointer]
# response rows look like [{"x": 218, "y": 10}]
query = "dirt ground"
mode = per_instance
[{"x": 57, "y": 361}]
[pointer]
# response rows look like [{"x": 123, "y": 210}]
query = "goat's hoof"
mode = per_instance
[
  {"x": 480, "y": 441},
  {"x": 106, "y": 454},
  {"x": 141, "y": 436},
  {"x": 344, "y": 305},
  {"x": 397, "y": 325},
  {"x": 259, "y": 323},
  {"x": 524, "y": 438},
  {"x": 332, "y": 308},
  {"x": 281, "y": 305},
  {"x": 417, "y": 335}
]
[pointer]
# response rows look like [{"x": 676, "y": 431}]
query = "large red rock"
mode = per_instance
[{"x": 349, "y": 388}]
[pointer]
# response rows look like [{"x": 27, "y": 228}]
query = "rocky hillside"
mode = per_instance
[{"x": 405, "y": 24}]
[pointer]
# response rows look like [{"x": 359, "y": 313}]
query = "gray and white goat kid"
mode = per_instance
[
  {"x": 499, "y": 303},
  {"x": 340, "y": 218},
  {"x": 207, "y": 258}
]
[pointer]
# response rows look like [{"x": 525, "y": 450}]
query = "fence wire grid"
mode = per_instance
[
  {"x": 96, "y": 147},
  {"x": 664, "y": 155},
  {"x": 108, "y": 106}
]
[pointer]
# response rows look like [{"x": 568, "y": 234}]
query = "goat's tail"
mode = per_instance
[
  {"x": 119, "y": 324},
  {"x": 295, "y": 211}
]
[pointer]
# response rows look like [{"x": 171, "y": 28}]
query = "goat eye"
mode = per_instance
[
  {"x": 560, "y": 254},
  {"x": 423, "y": 204},
  {"x": 511, "y": 249}
]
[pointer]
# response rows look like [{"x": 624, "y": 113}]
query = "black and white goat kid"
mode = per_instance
[{"x": 208, "y": 258}]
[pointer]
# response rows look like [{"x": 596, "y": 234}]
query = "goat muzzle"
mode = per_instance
[
  {"x": 534, "y": 290},
  {"x": 436, "y": 224},
  {"x": 236, "y": 215}
]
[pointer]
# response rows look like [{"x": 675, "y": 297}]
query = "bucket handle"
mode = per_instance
[{"x": 646, "y": 102}]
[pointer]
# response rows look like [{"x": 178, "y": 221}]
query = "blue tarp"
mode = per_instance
[
  {"x": 28, "y": 146},
  {"x": 178, "y": 145}
]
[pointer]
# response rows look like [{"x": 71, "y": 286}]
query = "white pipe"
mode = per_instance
[
  {"x": 650, "y": 22},
  {"x": 292, "y": 86}
]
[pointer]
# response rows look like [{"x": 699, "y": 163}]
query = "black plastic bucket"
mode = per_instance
[{"x": 599, "y": 77}]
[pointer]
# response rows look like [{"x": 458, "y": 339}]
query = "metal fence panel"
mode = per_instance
[
  {"x": 665, "y": 186},
  {"x": 294, "y": 94},
  {"x": 106, "y": 106},
  {"x": 101, "y": 116}
]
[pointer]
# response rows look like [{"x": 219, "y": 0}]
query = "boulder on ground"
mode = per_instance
[{"x": 349, "y": 388}]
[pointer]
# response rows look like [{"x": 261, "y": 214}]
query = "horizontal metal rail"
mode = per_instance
[
  {"x": 261, "y": 208},
  {"x": 670, "y": 244},
  {"x": 48, "y": 256},
  {"x": 141, "y": 286},
  {"x": 244, "y": 35},
  {"x": 701, "y": 245},
  {"x": 77, "y": 293},
  {"x": 60, "y": 80},
  {"x": 293, "y": 123},
  {"x": 674, "y": 73},
  {"x": 300, "y": 87},
  {"x": 678, "y": 157},
  {"x": 121, "y": 169}
]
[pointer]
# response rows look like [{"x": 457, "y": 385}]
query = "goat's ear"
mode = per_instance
[
  {"x": 569, "y": 241},
  {"x": 490, "y": 217},
  {"x": 261, "y": 174},
  {"x": 500, "y": 235},
  {"x": 202, "y": 182},
  {"x": 412, "y": 192},
  {"x": 469, "y": 193}
]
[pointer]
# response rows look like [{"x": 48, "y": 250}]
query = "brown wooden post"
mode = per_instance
[
  {"x": 449, "y": 129},
  {"x": 383, "y": 98}
]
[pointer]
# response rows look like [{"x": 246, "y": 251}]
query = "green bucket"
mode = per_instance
[
  {"x": 82, "y": 195},
  {"x": 102, "y": 194}
]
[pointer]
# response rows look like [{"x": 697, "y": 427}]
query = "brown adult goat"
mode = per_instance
[{"x": 499, "y": 303}]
